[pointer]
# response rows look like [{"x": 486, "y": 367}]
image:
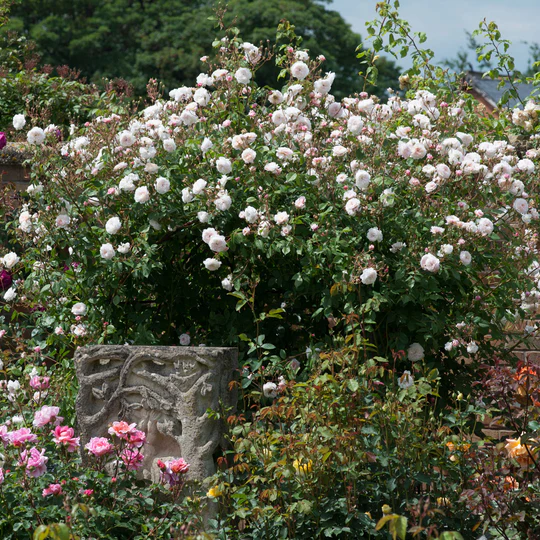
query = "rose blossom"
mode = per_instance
[
  {"x": 21, "y": 436},
  {"x": 132, "y": 459},
  {"x": 99, "y": 446},
  {"x": 113, "y": 225},
  {"x": 368, "y": 276},
  {"x": 142, "y": 195},
  {"x": 106, "y": 251},
  {"x": 415, "y": 352},
  {"x": 299, "y": 70},
  {"x": 63, "y": 435},
  {"x": 170, "y": 470},
  {"x": 212, "y": 264},
  {"x": 430, "y": 263},
  {"x": 79, "y": 309},
  {"x": 53, "y": 489},
  {"x": 40, "y": 383},
  {"x": 121, "y": 429},
  {"x": 45, "y": 415},
  {"x": 35, "y": 462}
]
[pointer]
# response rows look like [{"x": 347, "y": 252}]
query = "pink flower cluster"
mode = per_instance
[
  {"x": 172, "y": 470},
  {"x": 64, "y": 436},
  {"x": 34, "y": 461}
]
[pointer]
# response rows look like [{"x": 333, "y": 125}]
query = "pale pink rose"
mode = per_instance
[
  {"x": 53, "y": 489},
  {"x": 45, "y": 415},
  {"x": 132, "y": 459},
  {"x": 21, "y": 436},
  {"x": 136, "y": 438},
  {"x": 40, "y": 383},
  {"x": 430, "y": 263},
  {"x": 34, "y": 461},
  {"x": 99, "y": 446}
]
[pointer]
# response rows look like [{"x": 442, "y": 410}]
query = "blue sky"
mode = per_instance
[{"x": 444, "y": 21}]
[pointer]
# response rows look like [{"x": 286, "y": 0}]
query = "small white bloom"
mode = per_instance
[
  {"x": 124, "y": 248},
  {"x": 35, "y": 136},
  {"x": 415, "y": 352},
  {"x": 10, "y": 260},
  {"x": 10, "y": 295},
  {"x": 79, "y": 309},
  {"x": 472, "y": 348},
  {"x": 19, "y": 121},
  {"x": 251, "y": 214},
  {"x": 281, "y": 218},
  {"x": 227, "y": 284},
  {"x": 352, "y": 206},
  {"x": 198, "y": 186},
  {"x": 270, "y": 390},
  {"x": 107, "y": 251},
  {"x": 218, "y": 243},
  {"x": 430, "y": 263},
  {"x": 142, "y": 195},
  {"x": 113, "y": 225},
  {"x": 62, "y": 221},
  {"x": 374, "y": 235},
  {"x": 212, "y": 264},
  {"x": 206, "y": 145},
  {"x": 203, "y": 216},
  {"x": 185, "y": 340},
  {"x": 162, "y": 185},
  {"x": 223, "y": 165},
  {"x": 368, "y": 276},
  {"x": 465, "y": 258},
  {"x": 187, "y": 195},
  {"x": 406, "y": 380},
  {"x": 169, "y": 145},
  {"x": 243, "y": 75},
  {"x": 126, "y": 138},
  {"x": 299, "y": 70},
  {"x": 521, "y": 206}
]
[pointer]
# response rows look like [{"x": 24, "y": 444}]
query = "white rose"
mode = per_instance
[
  {"x": 430, "y": 263},
  {"x": 368, "y": 276},
  {"x": 79, "y": 309},
  {"x": 62, "y": 221},
  {"x": 198, "y": 186},
  {"x": 10, "y": 295},
  {"x": 243, "y": 75},
  {"x": 415, "y": 352},
  {"x": 363, "y": 178},
  {"x": 142, "y": 195},
  {"x": 465, "y": 258},
  {"x": 249, "y": 155},
  {"x": 19, "y": 121},
  {"x": 206, "y": 145},
  {"x": 162, "y": 185},
  {"x": 299, "y": 70},
  {"x": 185, "y": 340},
  {"x": 212, "y": 264},
  {"x": 223, "y": 165},
  {"x": 374, "y": 235},
  {"x": 270, "y": 389},
  {"x": 35, "y": 136},
  {"x": 218, "y": 243},
  {"x": 113, "y": 225},
  {"x": 251, "y": 214},
  {"x": 107, "y": 251},
  {"x": 281, "y": 218},
  {"x": 275, "y": 97},
  {"x": 10, "y": 260},
  {"x": 223, "y": 202},
  {"x": 126, "y": 184},
  {"x": 126, "y": 138},
  {"x": 187, "y": 195},
  {"x": 355, "y": 125},
  {"x": 352, "y": 206},
  {"x": 472, "y": 348},
  {"x": 169, "y": 145},
  {"x": 485, "y": 226},
  {"x": 124, "y": 248},
  {"x": 300, "y": 202},
  {"x": 521, "y": 206},
  {"x": 202, "y": 97},
  {"x": 203, "y": 216}
]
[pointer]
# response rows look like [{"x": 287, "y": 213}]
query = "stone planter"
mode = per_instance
[{"x": 166, "y": 391}]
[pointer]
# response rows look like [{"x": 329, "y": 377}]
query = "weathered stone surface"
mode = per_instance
[{"x": 166, "y": 391}]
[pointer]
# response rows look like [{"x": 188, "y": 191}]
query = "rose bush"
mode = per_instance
[{"x": 280, "y": 219}]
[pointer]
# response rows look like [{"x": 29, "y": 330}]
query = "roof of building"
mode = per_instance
[{"x": 487, "y": 89}]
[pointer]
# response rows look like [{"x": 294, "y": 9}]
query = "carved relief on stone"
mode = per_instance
[{"x": 166, "y": 391}]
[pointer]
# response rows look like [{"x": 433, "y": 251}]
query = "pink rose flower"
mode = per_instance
[
  {"x": 40, "y": 383},
  {"x": 121, "y": 429},
  {"x": 171, "y": 471},
  {"x": 99, "y": 446},
  {"x": 35, "y": 462},
  {"x": 53, "y": 489},
  {"x": 132, "y": 459},
  {"x": 63, "y": 435},
  {"x": 4, "y": 435},
  {"x": 21, "y": 436},
  {"x": 136, "y": 438},
  {"x": 45, "y": 415}
]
